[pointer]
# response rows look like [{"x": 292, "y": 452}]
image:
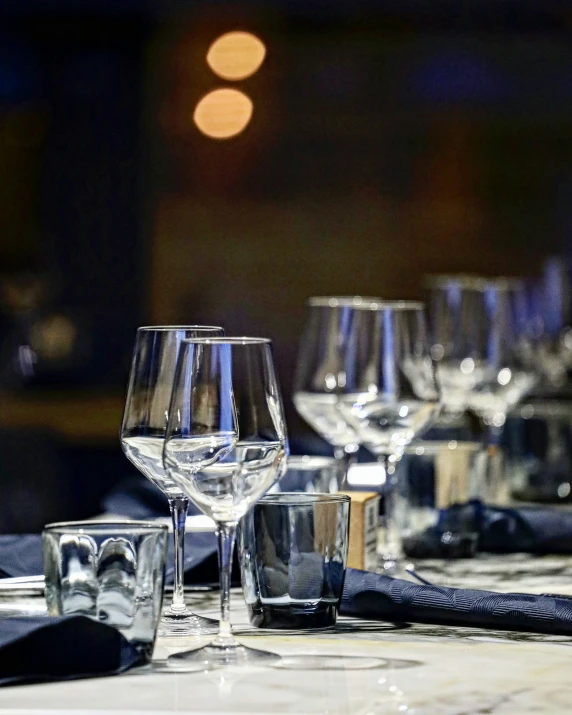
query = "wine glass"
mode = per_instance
[
  {"x": 332, "y": 324},
  {"x": 480, "y": 344},
  {"x": 391, "y": 393},
  {"x": 552, "y": 322},
  {"x": 225, "y": 446},
  {"x": 142, "y": 435}
]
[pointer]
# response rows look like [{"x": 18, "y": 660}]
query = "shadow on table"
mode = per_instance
[{"x": 341, "y": 627}]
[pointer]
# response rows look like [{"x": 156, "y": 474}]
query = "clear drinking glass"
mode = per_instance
[
  {"x": 110, "y": 572},
  {"x": 327, "y": 345},
  {"x": 391, "y": 393},
  {"x": 142, "y": 435},
  {"x": 225, "y": 446},
  {"x": 436, "y": 479},
  {"x": 293, "y": 553},
  {"x": 479, "y": 342}
]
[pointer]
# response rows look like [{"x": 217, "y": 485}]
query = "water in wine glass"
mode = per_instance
[
  {"x": 322, "y": 412},
  {"x": 388, "y": 427},
  {"x": 146, "y": 453},
  {"x": 228, "y": 484},
  {"x": 458, "y": 378},
  {"x": 191, "y": 453},
  {"x": 494, "y": 399}
]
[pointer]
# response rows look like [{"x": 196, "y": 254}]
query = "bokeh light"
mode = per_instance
[
  {"x": 236, "y": 55},
  {"x": 223, "y": 113}
]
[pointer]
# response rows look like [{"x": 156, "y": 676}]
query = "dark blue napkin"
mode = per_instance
[
  {"x": 138, "y": 498},
  {"x": 500, "y": 530},
  {"x": 369, "y": 595},
  {"x": 134, "y": 498},
  {"x": 62, "y": 648},
  {"x": 21, "y": 555}
]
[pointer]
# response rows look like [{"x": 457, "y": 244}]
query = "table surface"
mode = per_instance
[{"x": 421, "y": 668}]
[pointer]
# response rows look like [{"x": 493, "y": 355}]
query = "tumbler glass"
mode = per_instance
[
  {"x": 110, "y": 572},
  {"x": 293, "y": 553}
]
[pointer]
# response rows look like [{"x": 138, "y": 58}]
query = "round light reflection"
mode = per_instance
[
  {"x": 223, "y": 113},
  {"x": 236, "y": 55}
]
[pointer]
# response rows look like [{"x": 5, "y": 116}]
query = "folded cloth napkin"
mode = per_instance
[
  {"x": 500, "y": 530},
  {"x": 21, "y": 555},
  {"x": 136, "y": 498},
  {"x": 372, "y": 596},
  {"x": 61, "y": 648}
]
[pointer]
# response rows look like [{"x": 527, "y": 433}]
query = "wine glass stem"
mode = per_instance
[
  {"x": 226, "y": 533},
  {"x": 392, "y": 536},
  {"x": 179, "y": 507},
  {"x": 345, "y": 458}
]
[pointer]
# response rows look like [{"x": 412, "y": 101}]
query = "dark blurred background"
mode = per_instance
[{"x": 387, "y": 140}]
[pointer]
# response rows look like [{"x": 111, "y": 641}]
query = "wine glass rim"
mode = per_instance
[
  {"x": 473, "y": 282},
  {"x": 206, "y": 328},
  {"x": 341, "y": 301},
  {"x": 465, "y": 280},
  {"x": 361, "y": 303},
  {"x": 398, "y": 305},
  {"x": 228, "y": 340},
  {"x": 506, "y": 282},
  {"x": 287, "y": 499}
]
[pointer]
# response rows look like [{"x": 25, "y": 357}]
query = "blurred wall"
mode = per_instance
[
  {"x": 375, "y": 154},
  {"x": 387, "y": 140}
]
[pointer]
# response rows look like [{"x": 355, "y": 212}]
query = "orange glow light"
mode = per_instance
[
  {"x": 223, "y": 113},
  {"x": 236, "y": 55}
]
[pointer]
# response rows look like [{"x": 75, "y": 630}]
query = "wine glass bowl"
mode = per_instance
[
  {"x": 392, "y": 391},
  {"x": 326, "y": 346},
  {"x": 480, "y": 344}
]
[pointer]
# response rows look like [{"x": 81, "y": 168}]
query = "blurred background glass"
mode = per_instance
[{"x": 219, "y": 163}]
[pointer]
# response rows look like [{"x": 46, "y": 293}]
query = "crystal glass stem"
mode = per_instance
[
  {"x": 226, "y": 533},
  {"x": 493, "y": 435},
  {"x": 392, "y": 547},
  {"x": 179, "y": 507},
  {"x": 346, "y": 457}
]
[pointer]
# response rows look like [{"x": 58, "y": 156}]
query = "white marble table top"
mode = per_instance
[{"x": 421, "y": 668}]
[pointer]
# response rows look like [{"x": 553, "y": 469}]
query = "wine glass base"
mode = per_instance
[
  {"x": 395, "y": 566},
  {"x": 214, "y": 656},
  {"x": 329, "y": 662},
  {"x": 174, "y": 624},
  {"x": 390, "y": 565}
]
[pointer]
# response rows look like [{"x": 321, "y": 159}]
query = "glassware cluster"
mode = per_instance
[
  {"x": 366, "y": 377},
  {"x": 204, "y": 419}
]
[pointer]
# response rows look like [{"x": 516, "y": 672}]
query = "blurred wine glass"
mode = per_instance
[
  {"x": 550, "y": 317},
  {"x": 480, "y": 343},
  {"x": 391, "y": 392},
  {"x": 333, "y": 327}
]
